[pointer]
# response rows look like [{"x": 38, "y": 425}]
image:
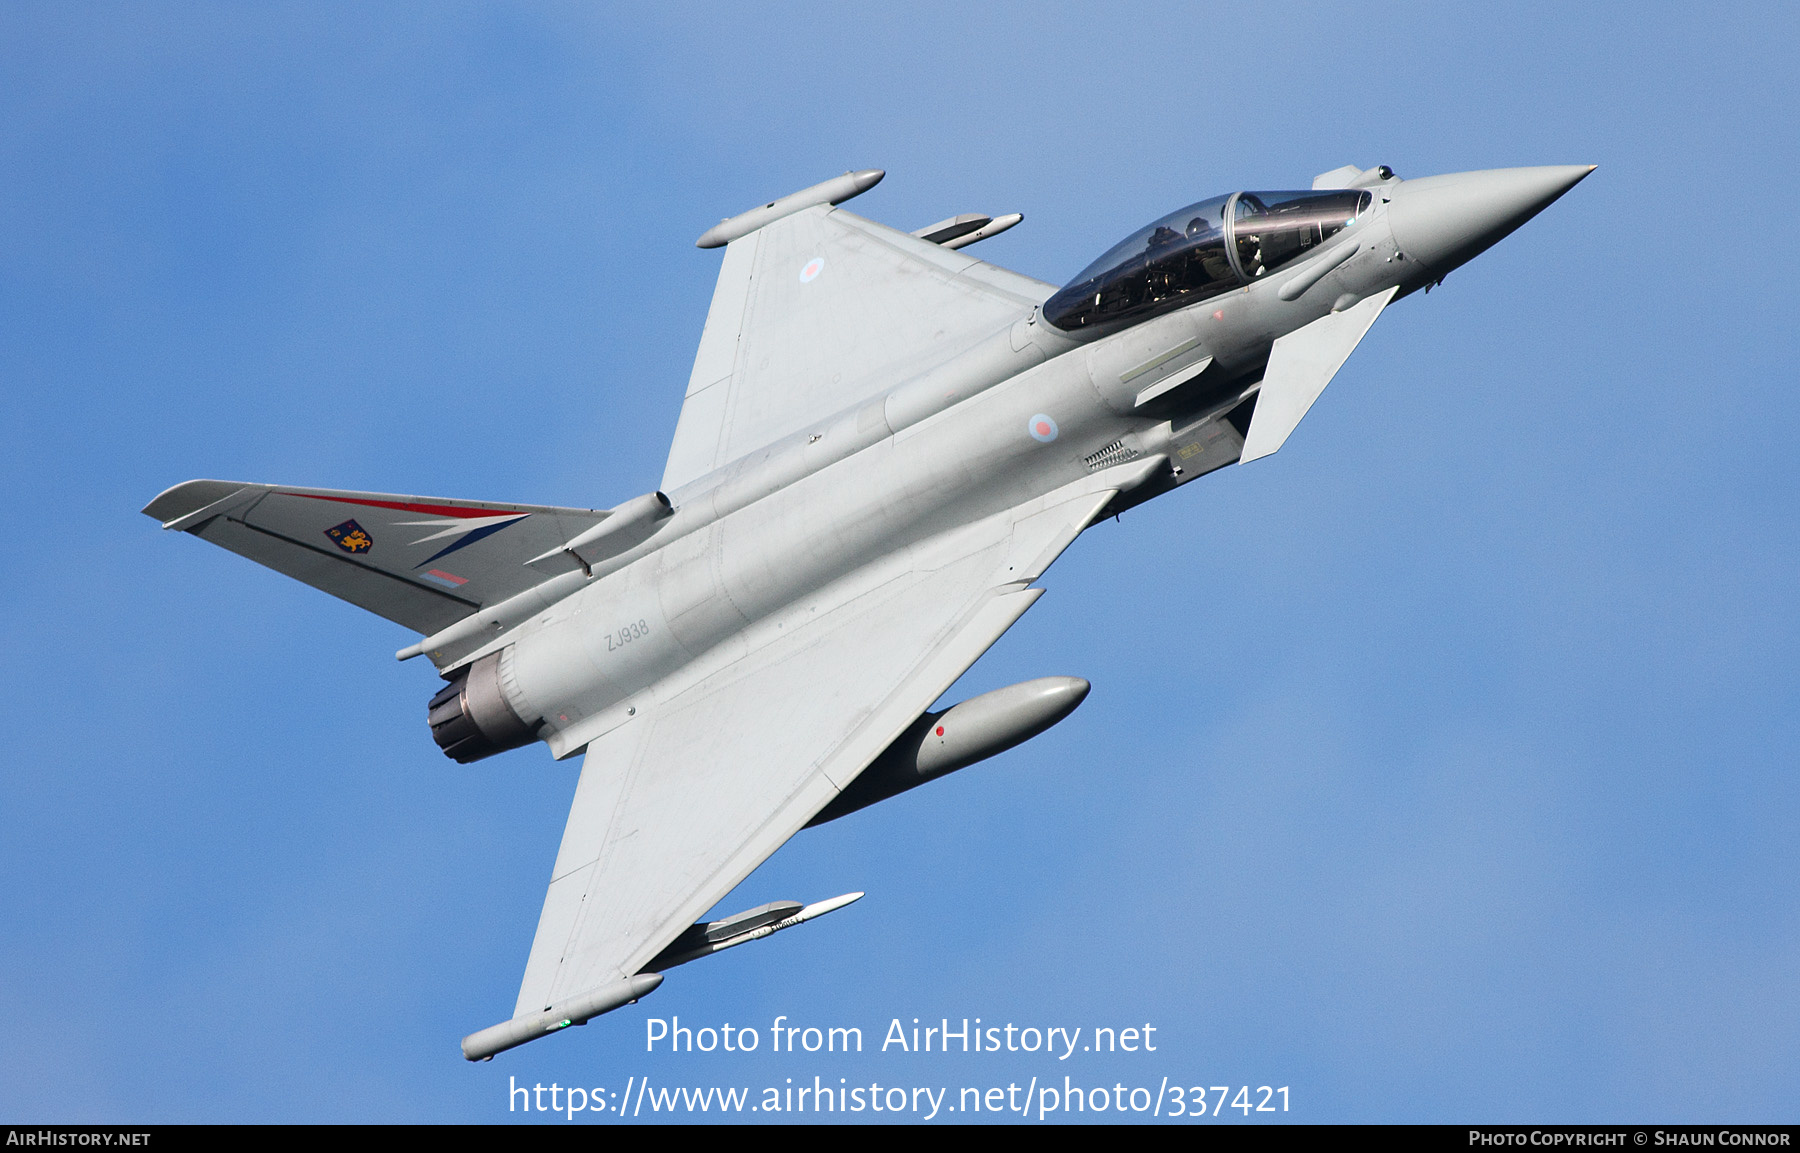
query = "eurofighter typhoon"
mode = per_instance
[{"x": 884, "y": 444}]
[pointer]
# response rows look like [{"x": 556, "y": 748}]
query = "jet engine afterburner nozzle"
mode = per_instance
[
  {"x": 470, "y": 717},
  {"x": 1445, "y": 221}
]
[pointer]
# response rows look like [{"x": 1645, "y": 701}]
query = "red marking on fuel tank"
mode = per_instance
[{"x": 940, "y": 731}]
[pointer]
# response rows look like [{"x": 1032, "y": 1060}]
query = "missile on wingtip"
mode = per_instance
[
  {"x": 834, "y": 191},
  {"x": 709, "y": 937},
  {"x": 941, "y": 743},
  {"x": 494, "y": 1039}
]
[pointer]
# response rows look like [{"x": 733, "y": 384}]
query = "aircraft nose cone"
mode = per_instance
[{"x": 1444, "y": 221}]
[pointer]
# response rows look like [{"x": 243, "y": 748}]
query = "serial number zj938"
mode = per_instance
[{"x": 636, "y": 630}]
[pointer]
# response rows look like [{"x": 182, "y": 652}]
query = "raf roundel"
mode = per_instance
[
  {"x": 1041, "y": 428},
  {"x": 812, "y": 269}
]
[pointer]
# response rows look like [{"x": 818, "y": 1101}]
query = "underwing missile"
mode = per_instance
[
  {"x": 993, "y": 227},
  {"x": 709, "y": 937},
  {"x": 964, "y": 230},
  {"x": 952, "y": 227},
  {"x": 941, "y": 743}
]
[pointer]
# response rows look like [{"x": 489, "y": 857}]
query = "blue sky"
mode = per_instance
[{"x": 1441, "y": 767}]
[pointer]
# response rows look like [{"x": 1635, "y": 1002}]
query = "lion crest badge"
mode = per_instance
[{"x": 351, "y": 537}]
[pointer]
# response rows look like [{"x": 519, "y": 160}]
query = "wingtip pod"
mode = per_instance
[
  {"x": 506, "y": 1035},
  {"x": 834, "y": 191}
]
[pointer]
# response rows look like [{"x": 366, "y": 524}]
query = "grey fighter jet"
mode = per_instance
[{"x": 884, "y": 444}]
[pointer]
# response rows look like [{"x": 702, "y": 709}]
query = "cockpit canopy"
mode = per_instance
[{"x": 1200, "y": 251}]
